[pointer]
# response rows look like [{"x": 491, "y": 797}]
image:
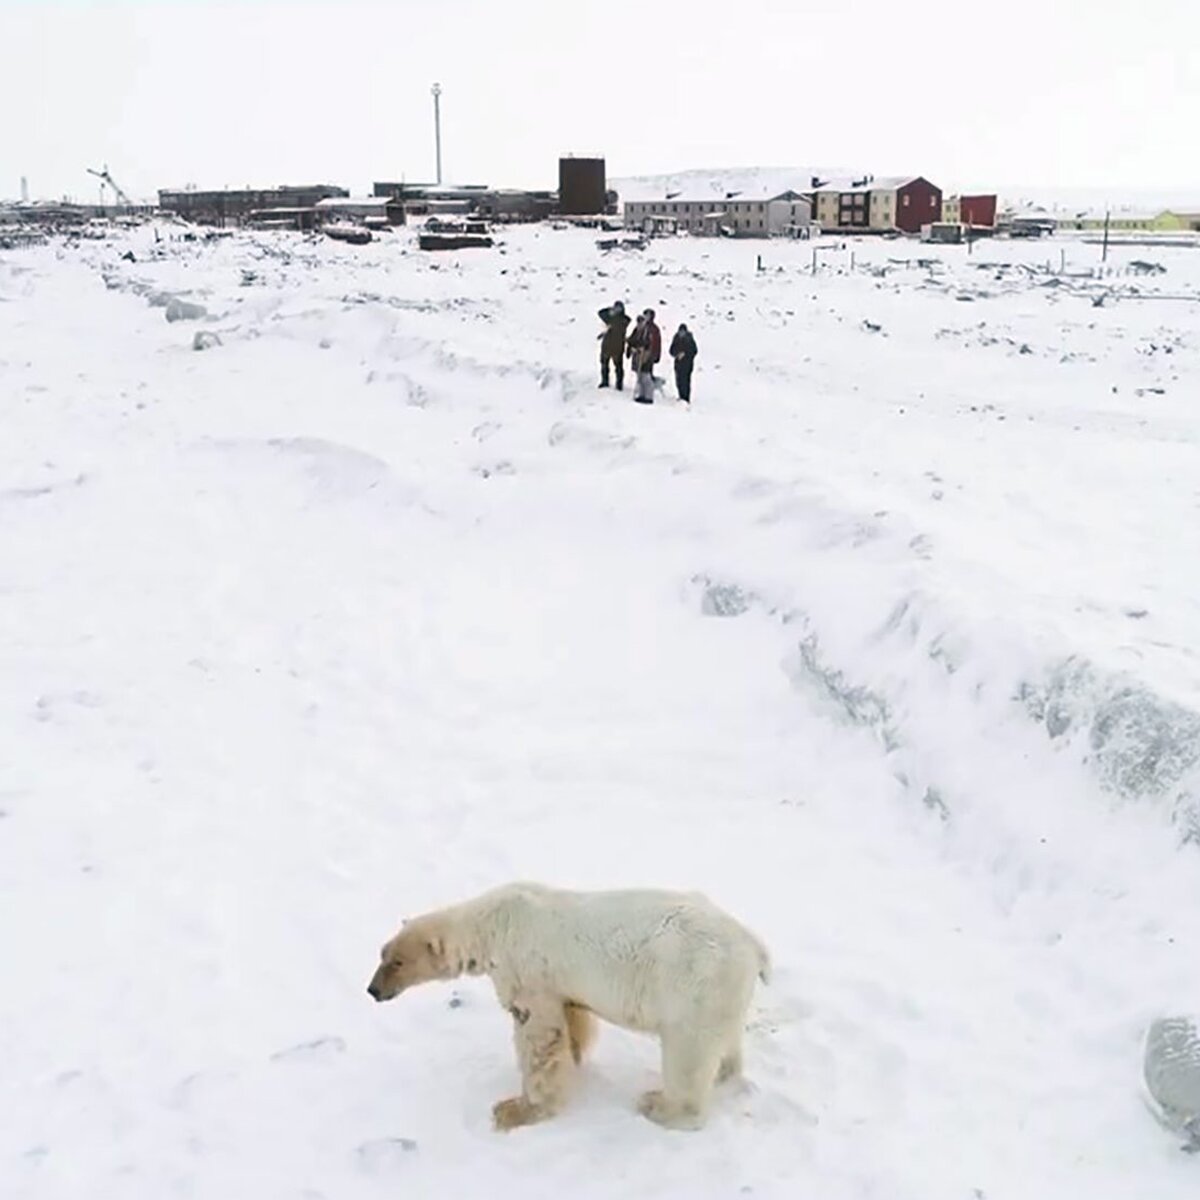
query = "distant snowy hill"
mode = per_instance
[{"x": 704, "y": 182}]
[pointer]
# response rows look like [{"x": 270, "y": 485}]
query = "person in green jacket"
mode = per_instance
[{"x": 612, "y": 343}]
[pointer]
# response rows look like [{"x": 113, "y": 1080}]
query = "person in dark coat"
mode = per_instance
[
  {"x": 648, "y": 354},
  {"x": 612, "y": 343},
  {"x": 683, "y": 351}
]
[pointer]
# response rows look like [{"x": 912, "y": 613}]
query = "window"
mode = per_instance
[
  {"x": 904, "y": 201},
  {"x": 760, "y": 208},
  {"x": 932, "y": 201}
]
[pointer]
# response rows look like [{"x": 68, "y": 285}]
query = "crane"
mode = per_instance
[{"x": 104, "y": 177}]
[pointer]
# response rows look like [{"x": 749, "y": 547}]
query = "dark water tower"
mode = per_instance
[{"x": 581, "y": 186}]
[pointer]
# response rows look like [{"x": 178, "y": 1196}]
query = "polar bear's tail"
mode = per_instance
[{"x": 764, "y": 960}]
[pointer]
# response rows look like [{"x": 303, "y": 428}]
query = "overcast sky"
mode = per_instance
[{"x": 1058, "y": 93}]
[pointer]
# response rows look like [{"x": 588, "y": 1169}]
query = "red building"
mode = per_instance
[
  {"x": 978, "y": 210},
  {"x": 918, "y": 203}
]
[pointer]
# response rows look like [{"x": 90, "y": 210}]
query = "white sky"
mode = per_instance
[{"x": 1058, "y": 93}]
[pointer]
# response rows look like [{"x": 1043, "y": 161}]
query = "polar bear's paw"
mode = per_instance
[
  {"x": 513, "y": 1113},
  {"x": 669, "y": 1114}
]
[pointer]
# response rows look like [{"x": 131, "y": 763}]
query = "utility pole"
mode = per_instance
[
  {"x": 24, "y": 190},
  {"x": 1104, "y": 255},
  {"x": 437, "y": 127}
]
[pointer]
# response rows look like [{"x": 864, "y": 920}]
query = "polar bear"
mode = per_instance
[{"x": 667, "y": 963}]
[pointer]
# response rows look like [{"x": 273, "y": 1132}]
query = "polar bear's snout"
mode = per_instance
[
  {"x": 415, "y": 955},
  {"x": 382, "y": 985},
  {"x": 377, "y": 988}
]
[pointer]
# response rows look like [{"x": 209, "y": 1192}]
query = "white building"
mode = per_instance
[
  {"x": 787, "y": 214},
  {"x": 370, "y": 210}
]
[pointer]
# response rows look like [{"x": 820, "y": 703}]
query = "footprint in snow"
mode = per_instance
[
  {"x": 764, "y": 1106},
  {"x": 317, "y": 1050},
  {"x": 46, "y": 705},
  {"x": 384, "y": 1154}
]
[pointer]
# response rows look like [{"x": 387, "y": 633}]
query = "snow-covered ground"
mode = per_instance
[{"x": 889, "y": 645}]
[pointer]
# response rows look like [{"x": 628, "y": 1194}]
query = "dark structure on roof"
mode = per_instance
[{"x": 582, "y": 187}]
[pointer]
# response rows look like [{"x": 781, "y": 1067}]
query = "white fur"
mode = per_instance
[{"x": 666, "y": 963}]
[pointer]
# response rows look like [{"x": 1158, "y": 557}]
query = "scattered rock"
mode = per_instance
[
  {"x": 723, "y": 599},
  {"x": 184, "y": 310},
  {"x": 205, "y": 340},
  {"x": 1172, "y": 1076}
]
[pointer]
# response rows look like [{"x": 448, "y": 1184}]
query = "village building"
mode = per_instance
[
  {"x": 784, "y": 214},
  {"x": 904, "y": 203},
  {"x": 978, "y": 211},
  {"x": 1176, "y": 220},
  {"x": 228, "y": 207},
  {"x": 1126, "y": 220},
  {"x": 366, "y": 210}
]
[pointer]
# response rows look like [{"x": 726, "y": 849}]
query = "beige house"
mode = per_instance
[
  {"x": 825, "y": 203},
  {"x": 788, "y": 214},
  {"x": 879, "y": 205}
]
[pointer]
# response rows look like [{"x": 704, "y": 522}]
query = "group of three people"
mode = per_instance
[{"x": 643, "y": 346}]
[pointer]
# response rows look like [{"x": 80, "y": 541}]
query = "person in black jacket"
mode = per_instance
[
  {"x": 612, "y": 343},
  {"x": 683, "y": 351}
]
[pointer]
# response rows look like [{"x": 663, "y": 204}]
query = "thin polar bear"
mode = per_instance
[{"x": 666, "y": 963}]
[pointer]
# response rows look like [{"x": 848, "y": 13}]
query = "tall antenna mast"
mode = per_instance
[{"x": 437, "y": 127}]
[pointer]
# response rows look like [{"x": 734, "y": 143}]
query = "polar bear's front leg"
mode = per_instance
[{"x": 544, "y": 1054}]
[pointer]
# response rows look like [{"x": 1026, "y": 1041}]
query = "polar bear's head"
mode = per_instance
[{"x": 417, "y": 954}]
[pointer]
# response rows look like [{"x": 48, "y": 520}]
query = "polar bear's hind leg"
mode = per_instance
[
  {"x": 581, "y": 1025},
  {"x": 690, "y": 1067},
  {"x": 731, "y": 1063}
]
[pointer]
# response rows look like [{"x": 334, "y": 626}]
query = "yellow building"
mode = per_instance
[
  {"x": 1177, "y": 221},
  {"x": 952, "y": 210},
  {"x": 1126, "y": 222}
]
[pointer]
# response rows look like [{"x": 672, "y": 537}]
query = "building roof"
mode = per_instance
[
  {"x": 884, "y": 183},
  {"x": 356, "y": 202},
  {"x": 702, "y": 201},
  {"x": 1098, "y": 214}
]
